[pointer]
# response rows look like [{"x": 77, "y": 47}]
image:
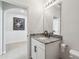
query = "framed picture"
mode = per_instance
[{"x": 18, "y": 23}]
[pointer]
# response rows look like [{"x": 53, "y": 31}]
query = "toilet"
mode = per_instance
[
  {"x": 73, "y": 54},
  {"x": 66, "y": 53}
]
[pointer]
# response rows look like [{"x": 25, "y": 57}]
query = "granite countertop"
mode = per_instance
[{"x": 46, "y": 40}]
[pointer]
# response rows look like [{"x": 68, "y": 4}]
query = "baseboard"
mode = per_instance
[{"x": 16, "y": 42}]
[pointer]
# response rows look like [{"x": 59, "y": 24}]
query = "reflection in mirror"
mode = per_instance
[
  {"x": 56, "y": 25},
  {"x": 52, "y": 17}
]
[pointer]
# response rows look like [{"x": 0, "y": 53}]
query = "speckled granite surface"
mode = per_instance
[{"x": 45, "y": 40}]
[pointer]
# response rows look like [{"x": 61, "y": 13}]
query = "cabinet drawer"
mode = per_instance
[{"x": 37, "y": 43}]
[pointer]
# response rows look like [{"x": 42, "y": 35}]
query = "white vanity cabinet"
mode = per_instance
[{"x": 40, "y": 50}]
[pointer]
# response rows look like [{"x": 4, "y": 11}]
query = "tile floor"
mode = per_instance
[{"x": 16, "y": 51}]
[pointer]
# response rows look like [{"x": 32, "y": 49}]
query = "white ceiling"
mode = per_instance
[{"x": 26, "y": 3}]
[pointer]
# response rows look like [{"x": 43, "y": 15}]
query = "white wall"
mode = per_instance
[
  {"x": 35, "y": 22},
  {"x": 0, "y": 28},
  {"x": 70, "y": 23},
  {"x": 10, "y": 35},
  {"x": 35, "y": 14},
  {"x": 21, "y": 3}
]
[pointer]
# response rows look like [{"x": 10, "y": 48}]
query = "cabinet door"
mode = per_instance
[
  {"x": 33, "y": 48},
  {"x": 40, "y": 53},
  {"x": 33, "y": 52}
]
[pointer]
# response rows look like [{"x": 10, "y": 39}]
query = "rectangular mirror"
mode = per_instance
[{"x": 52, "y": 18}]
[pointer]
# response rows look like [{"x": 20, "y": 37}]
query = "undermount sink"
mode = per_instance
[
  {"x": 47, "y": 40},
  {"x": 43, "y": 38}
]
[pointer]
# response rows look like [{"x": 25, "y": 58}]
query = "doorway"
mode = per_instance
[{"x": 14, "y": 31}]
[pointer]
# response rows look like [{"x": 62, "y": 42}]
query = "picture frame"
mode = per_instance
[{"x": 18, "y": 23}]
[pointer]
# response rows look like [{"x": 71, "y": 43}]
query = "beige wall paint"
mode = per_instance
[{"x": 70, "y": 23}]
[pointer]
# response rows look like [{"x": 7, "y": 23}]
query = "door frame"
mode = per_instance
[{"x": 3, "y": 41}]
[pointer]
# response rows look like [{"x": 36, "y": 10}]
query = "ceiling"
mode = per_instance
[{"x": 27, "y": 3}]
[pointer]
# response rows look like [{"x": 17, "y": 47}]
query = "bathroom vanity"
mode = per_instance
[{"x": 45, "y": 47}]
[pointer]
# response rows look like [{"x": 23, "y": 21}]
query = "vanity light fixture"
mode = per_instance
[{"x": 53, "y": 3}]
